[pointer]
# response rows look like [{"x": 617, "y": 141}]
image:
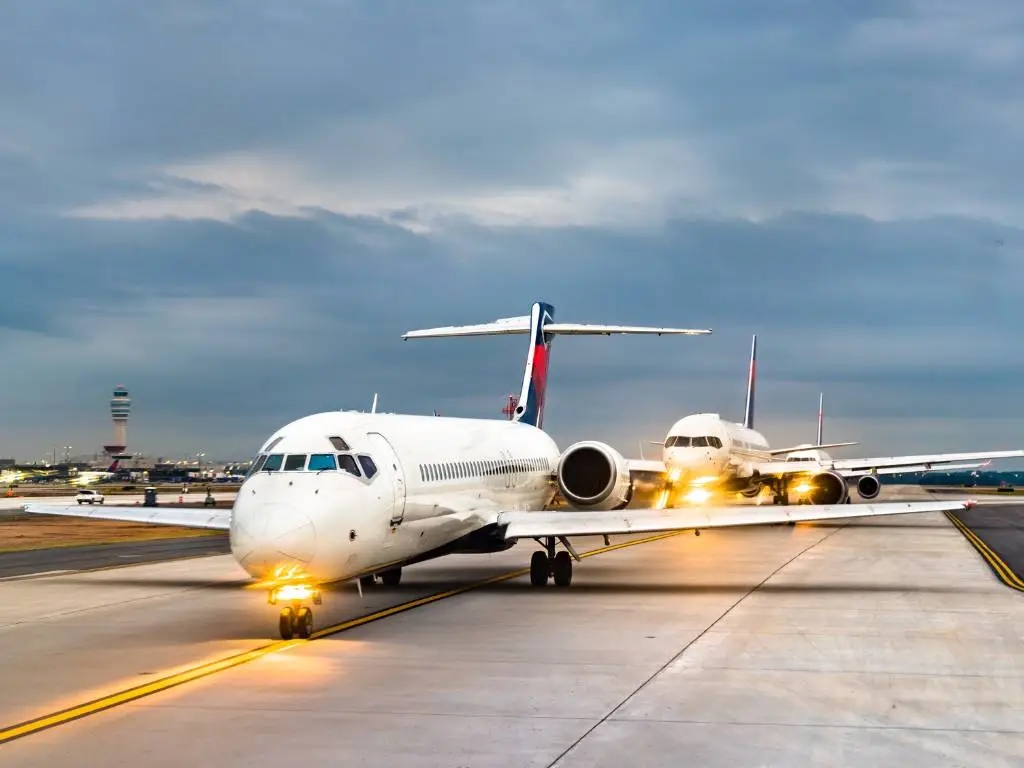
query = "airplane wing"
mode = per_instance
[
  {"x": 186, "y": 517},
  {"x": 928, "y": 460},
  {"x": 646, "y": 466},
  {"x": 795, "y": 448},
  {"x": 887, "y": 465},
  {"x": 527, "y": 525}
]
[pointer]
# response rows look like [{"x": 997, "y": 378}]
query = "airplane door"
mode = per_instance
[{"x": 391, "y": 467}]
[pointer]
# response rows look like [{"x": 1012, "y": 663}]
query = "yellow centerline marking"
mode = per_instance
[
  {"x": 1001, "y": 569},
  {"x": 85, "y": 709}
]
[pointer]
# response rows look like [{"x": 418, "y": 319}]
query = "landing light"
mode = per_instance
[
  {"x": 697, "y": 496},
  {"x": 293, "y": 593},
  {"x": 802, "y": 488}
]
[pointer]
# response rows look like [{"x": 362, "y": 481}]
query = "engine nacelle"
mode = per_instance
[
  {"x": 828, "y": 488},
  {"x": 869, "y": 486},
  {"x": 593, "y": 475}
]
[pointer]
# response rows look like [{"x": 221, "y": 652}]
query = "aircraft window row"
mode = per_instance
[
  {"x": 317, "y": 462},
  {"x": 682, "y": 441},
  {"x": 457, "y": 470}
]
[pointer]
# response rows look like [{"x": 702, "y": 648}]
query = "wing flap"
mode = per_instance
[
  {"x": 523, "y": 525},
  {"x": 187, "y": 517}
]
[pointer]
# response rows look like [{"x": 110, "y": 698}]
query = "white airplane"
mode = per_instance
[
  {"x": 703, "y": 453},
  {"x": 350, "y": 495}
]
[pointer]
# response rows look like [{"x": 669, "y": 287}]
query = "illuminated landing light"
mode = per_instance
[
  {"x": 802, "y": 488},
  {"x": 675, "y": 474},
  {"x": 697, "y": 496},
  {"x": 294, "y": 593},
  {"x": 703, "y": 480}
]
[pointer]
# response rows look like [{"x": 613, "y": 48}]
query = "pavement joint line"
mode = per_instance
[
  {"x": 103, "y": 703},
  {"x": 1002, "y": 571},
  {"x": 611, "y": 714}
]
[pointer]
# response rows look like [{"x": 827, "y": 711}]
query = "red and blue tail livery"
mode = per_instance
[
  {"x": 530, "y": 409},
  {"x": 542, "y": 328}
]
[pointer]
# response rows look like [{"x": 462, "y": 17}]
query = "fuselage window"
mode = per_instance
[
  {"x": 347, "y": 463},
  {"x": 273, "y": 462},
  {"x": 339, "y": 444},
  {"x": 321, "y": 461},
  {"x": 294, "y": 462},
  {"x": 367, "y": 464},
  {"x": 257, "y": 465}
]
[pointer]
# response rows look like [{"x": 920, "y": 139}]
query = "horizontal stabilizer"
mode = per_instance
[
  {"x": 524, "y": 525},
  {"x": 186, "y": 517},
  {"x": 521, "y": 325}
]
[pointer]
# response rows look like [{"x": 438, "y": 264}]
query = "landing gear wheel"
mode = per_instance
[
  {"x": 392, "y": 577},
  {"x": 562, "y": 567},
  {"x": 302, "y": 622},
  {"x": 539, "y": 570},
  {"x": 285, "y": 623}
]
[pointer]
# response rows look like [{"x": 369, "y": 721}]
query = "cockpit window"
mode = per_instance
[
  {"x": 701, "y": 441},
  {"x": 368, "y": 466},
  {"x": 272, "y": 443},
  {"x": 257, "y": 465},
  {"x": 321, "y": 461},
  {"x": 338, "y": 443},
  {"x": 273, "y": 462},
  {"x": 347, "y": 463},
  {"x": 295, "y": 462}
]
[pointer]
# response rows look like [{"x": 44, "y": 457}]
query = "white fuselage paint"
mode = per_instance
[
  {"x": 438, "y": 480},
  {"x": 705, "y": 449}
]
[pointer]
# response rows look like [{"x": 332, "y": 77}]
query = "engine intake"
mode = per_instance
[
  {"x": 593, "y": 475},
  {"x": 828, "y": 488},
  {"x": 869, "y": 486}
]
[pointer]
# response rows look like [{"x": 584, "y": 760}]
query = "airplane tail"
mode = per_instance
[
  {"x": 748, "y": 413},
  {"x": 821, "y": 416},
  {"x": 113, "y": 467},
  {"x": 540, "y": 325}
]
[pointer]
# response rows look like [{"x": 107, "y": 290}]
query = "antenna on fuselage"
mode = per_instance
[{"x": 373, "y": 408}]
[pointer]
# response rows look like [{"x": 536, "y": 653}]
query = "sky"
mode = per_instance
[{"x": 235, "y": 209}]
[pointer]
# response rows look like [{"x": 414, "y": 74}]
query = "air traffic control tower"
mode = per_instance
[{"x": 120, "y": 408}]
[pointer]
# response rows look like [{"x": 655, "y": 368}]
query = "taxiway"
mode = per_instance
[{"x": 883, "y": 641}]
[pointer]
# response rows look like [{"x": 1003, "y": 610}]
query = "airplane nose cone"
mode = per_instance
[{"x": 265, "y": 537}]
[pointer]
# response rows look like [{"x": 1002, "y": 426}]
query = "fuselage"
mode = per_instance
[
  {"x": 339, "y": 494},
  {"x": 705, "y": 449}
]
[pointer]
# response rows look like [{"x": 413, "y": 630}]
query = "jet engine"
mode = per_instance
[
  {"x": 869, "y": 486},
  {"x": 828, "y": 488},
  {"x": 593, "y": 475}
]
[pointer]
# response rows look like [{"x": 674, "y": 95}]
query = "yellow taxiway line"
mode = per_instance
[
  {"x": 9, "y": 733},
  {"x": 1001, "y": 569}
]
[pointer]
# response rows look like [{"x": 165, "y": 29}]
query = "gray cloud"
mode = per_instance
[{"x": 237, "y": 209}]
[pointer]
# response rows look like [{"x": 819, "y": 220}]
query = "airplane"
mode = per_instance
[
  {"x": 346, "y": 495},
  {"x": 703, "y": 452}
]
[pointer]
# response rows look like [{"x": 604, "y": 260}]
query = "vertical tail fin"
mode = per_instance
[
  {"x": 530, "y": 408},
  {"x": 748, "y": 414},
  {"x": 821, "y": 417},
  {"x": 113, "y": 467}
]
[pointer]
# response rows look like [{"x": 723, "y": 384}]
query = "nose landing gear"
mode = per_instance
[{"x": 295, "y": 619}]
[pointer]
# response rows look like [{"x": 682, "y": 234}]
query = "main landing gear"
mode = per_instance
[
  {"x": 547, "y": 564},
  {"x": 295, "y": 619}
]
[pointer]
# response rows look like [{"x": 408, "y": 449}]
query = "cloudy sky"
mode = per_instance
[{"x": 236, "y": 208}]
